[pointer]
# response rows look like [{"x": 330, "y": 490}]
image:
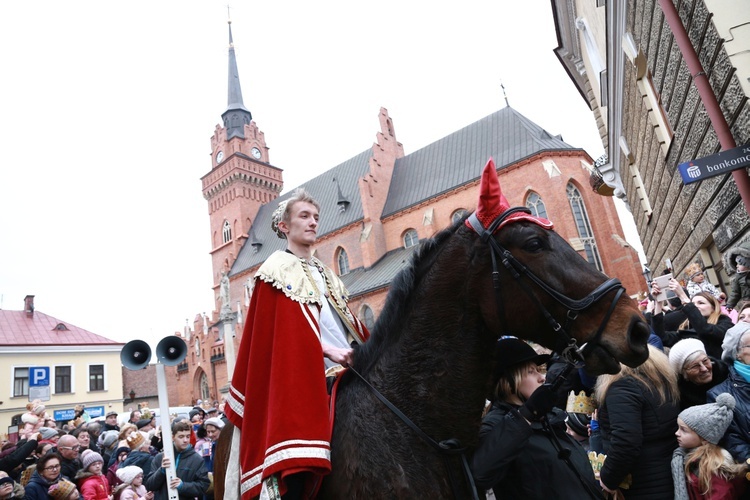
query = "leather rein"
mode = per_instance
[{"x": 566, "y": 344}]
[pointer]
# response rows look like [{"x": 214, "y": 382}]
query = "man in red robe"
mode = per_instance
[{"x": 298, "y": 329}]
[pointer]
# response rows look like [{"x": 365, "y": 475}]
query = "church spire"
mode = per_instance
[{"x": 236, "y": 116}]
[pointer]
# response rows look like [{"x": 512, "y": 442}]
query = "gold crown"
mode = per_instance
[
  {"x": 597, "y": 462},
  {"x": 580, "y": 403}
]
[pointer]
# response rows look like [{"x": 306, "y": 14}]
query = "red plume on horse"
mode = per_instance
[{"x": 501, "y": 271}]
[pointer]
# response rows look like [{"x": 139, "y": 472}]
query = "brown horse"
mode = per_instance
[{"x": 430, "y": 352}]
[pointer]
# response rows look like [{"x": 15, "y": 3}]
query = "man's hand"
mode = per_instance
[
  {"x": 340, "y": 355},
  {"x": 175, "y": 483},
  {"x": 165, "y": 463}
]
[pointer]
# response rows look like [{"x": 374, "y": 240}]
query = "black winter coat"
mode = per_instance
[
  {"x": 638, "y": 438},
  {"x": 520, "y": 461},
  {"x": 190, "y": 468},
  {"x": 38, "y": 487},
  {"x": 737, "y": 438},
  {"x": 710, "y": 335}
]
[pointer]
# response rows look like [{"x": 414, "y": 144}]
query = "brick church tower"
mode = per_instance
[{"x": 241, "y": 178}]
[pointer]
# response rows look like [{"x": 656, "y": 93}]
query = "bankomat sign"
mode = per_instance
[{"x": 710, "y": 166}]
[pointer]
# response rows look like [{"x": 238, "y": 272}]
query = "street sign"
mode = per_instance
[
  {"x": 40, "y": 392},
  {"x": 38, "y": 376},
  {"x": 710, "y": 166}
]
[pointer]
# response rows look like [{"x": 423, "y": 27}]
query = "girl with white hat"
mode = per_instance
[{"x": 132, "y": 484}]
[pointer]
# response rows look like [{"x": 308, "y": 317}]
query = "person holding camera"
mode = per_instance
[{"x": 524, "y": 450}]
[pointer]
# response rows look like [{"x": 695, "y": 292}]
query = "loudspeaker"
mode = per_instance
[
  {"x": 135, "y": 355},
  {"x": 171, "y": 350}
]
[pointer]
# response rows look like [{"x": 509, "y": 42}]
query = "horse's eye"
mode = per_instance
[{"x": 533, "y": 245}]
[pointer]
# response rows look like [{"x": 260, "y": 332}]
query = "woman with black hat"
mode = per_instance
[{"x": 524, "y": 450}]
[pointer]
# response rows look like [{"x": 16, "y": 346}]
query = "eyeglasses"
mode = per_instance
[
  {"x": 52, "y": 467},
  {"x": 74, "y": 448},
  {"x": 705, "y": 363}
]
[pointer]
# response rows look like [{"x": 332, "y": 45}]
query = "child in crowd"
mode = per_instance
[
  {"x": 132, "y": 484},
  {"x": 737, "y": 261},
  {"x": 64, "y": 490},
  {"x": 700, "y": 467},
  {"x": 92, "y": 484}
]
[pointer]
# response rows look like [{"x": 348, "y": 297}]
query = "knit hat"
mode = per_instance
[
  {"x": 682, "y": 351},
  {"x": 215, "y": 421},
  {"x": 143, "y": 423},
  {"x": 135, "y": 440},
  {"x": 127, "y": 474},
  {"x": 47, "y": 433},
  {"x": 90, "y": 457},
  {"x": 121, "y": 449},
  {"x": 710, "y": 421},
  {"x": 108, "y": 438},
  {"x": 693, "y": 270},
  {"x": 578, "y": 423},
  {"x": 61, "y": 489},
  {"x": 731, "y": 341}
]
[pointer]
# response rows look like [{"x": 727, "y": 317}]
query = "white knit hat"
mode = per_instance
[
  {"x": 682, "y": 351},
  {"x": 127, "y": 474},
  {"x": 215, "y": 421}
]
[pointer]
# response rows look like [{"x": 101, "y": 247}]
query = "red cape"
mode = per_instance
[{"x": 280, "y": 408}]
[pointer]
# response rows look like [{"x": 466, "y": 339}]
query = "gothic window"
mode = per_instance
[
  {"x": 583, "y": 225},
  {"x": 536, "y": 205},
  {"x": 410, "y": 238},
  {"x": 343, "y": 261},
  {"x": 227, "y": 231},
  {"x": 204, "y": 387},
  {"x": 367, "y": 316},
  {"x": 458, "y": 215}
]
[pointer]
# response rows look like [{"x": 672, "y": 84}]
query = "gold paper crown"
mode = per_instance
[
  {"x": 580, "y": 403},
  {"x": 597, "y": 462}
]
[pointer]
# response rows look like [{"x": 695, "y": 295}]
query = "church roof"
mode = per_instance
[
  {"x": 17, "y": 329},
  {"x": 444, "y": 165},
  {"x": 361, "y": 280},
  {"x": 457, "y": 159}
]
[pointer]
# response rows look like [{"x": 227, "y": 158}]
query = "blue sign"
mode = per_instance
[
  {"x": 38, "y": 376},
  {"x": 64, "y": 415},
  {"x": 710, "y": 166},
  {"x": 95, "y": 411}
]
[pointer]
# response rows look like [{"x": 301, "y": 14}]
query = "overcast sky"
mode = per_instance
[{"x": 106, "y": 110}]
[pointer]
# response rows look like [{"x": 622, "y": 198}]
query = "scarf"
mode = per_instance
[
  {"x": 678, "y": 474},
  {"x": 742, "y": 369}
]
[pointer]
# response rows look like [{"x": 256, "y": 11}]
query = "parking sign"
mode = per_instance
[{"x": 38, "y": 376}]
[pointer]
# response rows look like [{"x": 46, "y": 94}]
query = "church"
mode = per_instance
[{"x": 375, "y": 209}]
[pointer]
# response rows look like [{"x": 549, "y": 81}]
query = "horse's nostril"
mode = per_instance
[{"x": 638, "y": 334}]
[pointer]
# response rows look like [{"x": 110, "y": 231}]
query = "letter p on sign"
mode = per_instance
[{"x": 39, "y": 376}]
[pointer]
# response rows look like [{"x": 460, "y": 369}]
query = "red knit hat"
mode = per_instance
[{"x": 492, "y": 202}]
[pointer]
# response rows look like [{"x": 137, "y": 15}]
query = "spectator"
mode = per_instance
[
  {"x": 139, "y": 452},
  {"x": 737, "y": 438},
  {"x": 132, "y": 484},
  {"x": 84, "y": 438},
  {"x": 23, "y": 449},
  {"x": 110, "y": 421},
  {"x": 68, "y": 448},
  {"x": 122, "y": 455},
  {"x": 637, "y": 418},
  {"x": 92, "y": 483},
  {"x": 47, "y": 473},
  {"x": 135, "y": 416},
  {"x": 63, "y": 490},
  {"x": 192, "y": 477},
  {"x": 733, "y": 335},
  {"x": 523, "y": 434},
  {"x": 696, "y": 371},
  {"x": 95, "y": 430},
  {"x": 126, "y": 430},
  {"x": 705, "y": 321},
  {"x": 737, "y": 261},
  {"x": 9, "y": 488},
  {"x": 697, "y": 281},
  {"x": 213, "y": 427},
  {"x": 700, "y": 468}
]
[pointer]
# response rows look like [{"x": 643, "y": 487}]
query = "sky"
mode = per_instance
[{"x": 107, "y": 109}]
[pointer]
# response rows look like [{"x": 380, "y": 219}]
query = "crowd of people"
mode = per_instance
[{"x": 101, "y": 460}]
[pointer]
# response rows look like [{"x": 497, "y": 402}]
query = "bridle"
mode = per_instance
[{"x": 566, "y": 344}]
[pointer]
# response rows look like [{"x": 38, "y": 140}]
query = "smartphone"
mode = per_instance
[{"x": 663, "y": 282}]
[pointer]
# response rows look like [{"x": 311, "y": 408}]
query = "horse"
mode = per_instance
[{"x": 430, "y": 353}]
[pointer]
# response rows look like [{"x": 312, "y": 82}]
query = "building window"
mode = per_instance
[
  {"x": 458, "y": 215},
  {"x": 367, "y": 316},
  {"x": 536, "y": 205},
  {"x": 343, "y": 261},
  {"x": 21, "y": 381},
  {"x": 205, "y": 396},
  {"x": 227, "y": 232},
  {"x": 63, "y": 377},
  {"x": 96, "y": 378},
  {"x": 410, "y": 238},
  {"x": 583, "y": 225}
]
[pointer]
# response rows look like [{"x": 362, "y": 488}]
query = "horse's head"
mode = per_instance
[{"x": 549, "y": 293}]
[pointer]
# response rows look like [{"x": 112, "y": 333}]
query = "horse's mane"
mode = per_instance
[{"x": 400, "y": 296}]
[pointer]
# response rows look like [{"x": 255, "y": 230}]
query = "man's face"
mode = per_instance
[
  {"x": 212, "y": 432},
  {"x": 111, "y": 420},
  {"x": 68, "y": 448},
  {"x": 181, "y": 440},
  {"x": 302, "y": 226}
]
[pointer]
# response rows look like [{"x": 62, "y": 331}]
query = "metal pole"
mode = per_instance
[{"x": 166, "y": 428}]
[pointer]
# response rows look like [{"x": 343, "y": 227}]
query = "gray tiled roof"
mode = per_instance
[
  {"x": 458, "y": 158},
  {"x": 326, "y": 192},
  {"x": 362, "y": 280}
]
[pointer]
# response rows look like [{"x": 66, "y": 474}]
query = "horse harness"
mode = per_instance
[{"x": 566, "y": 345}]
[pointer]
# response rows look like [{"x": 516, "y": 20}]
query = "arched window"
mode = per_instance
[
  {"x": 536, "y": 205},
  {"x": 204, "y": 387},
  {"x": 227, "y": 231},
  {"x": 411, "y": 238},
  {"x": 343, "y": 261},
  {"x": 367, "y": 316},
  {"x": 458, "y": 215},
  {"x": 583, "y": 225}
]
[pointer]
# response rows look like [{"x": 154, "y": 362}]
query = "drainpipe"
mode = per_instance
[{"x": 719, "y": 123}]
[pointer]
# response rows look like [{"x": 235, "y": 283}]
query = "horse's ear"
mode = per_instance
[{"x": 492, "y": 202}]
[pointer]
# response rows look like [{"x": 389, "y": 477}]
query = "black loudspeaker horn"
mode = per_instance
[
  {"x": 135, "y": 355},
  {"x": 171, "y": 350}
]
